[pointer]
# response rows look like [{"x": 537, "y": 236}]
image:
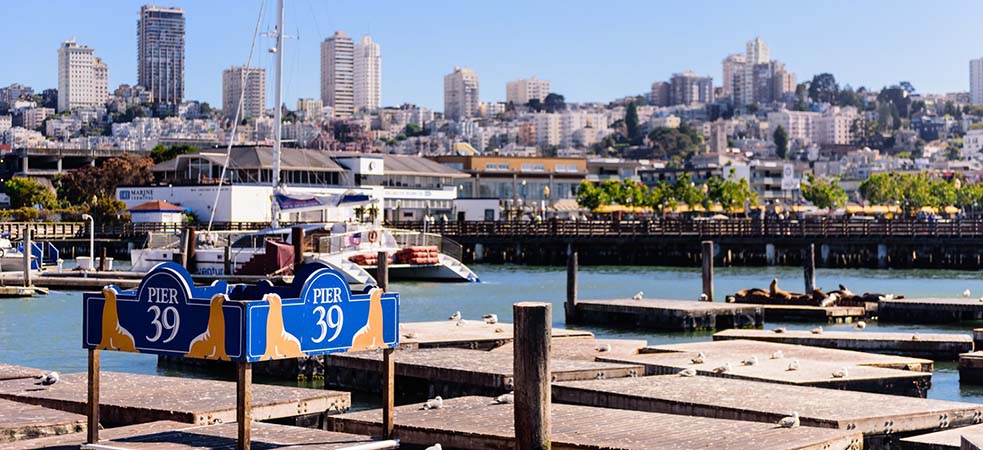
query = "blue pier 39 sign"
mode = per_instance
[{"x": 167, "y": 315}]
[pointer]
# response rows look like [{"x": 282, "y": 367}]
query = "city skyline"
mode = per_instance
[{"x": 423, "y": 43}]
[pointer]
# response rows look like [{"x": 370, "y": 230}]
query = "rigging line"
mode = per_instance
[{"x": 235, "y": 122}]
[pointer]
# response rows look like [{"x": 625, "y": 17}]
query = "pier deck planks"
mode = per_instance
[
  {"x": 12, "y": 372},
  {"x": 474, "y": 334},
  {"x": 586, "y": 349},
  {"x": 931, "y": 346},
  {"x": 178, "y": 436},
  {"x": 675, "y": 315},
  {"x": 467, "y": 371},
  {"x": 723, "y": 398},
  {"x": 479, "y": 423},
  {"x": 22, "y": 421},
  {"x": 129, "y": 398},
  {"x": 828, "y": 314},
  {"x": 930, "y": 310},
  {"x": 942, "y": 440},
  {"x": 867, "y": 372},
  {"x": 971, "y": 367}
]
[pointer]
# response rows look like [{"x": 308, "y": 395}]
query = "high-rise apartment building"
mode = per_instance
[
  {"x": 249, "y": 84},
  {"x": 160, "y": 53},
  {"x": 83, "y": 79},
  {"x": 338, "y": 74},
  {"x": 461, "y": 94},
  {"x": 661, "y": 94},
  {"x": 976, "y": 81},
  {"x": 520, "y": 92},
  {"x": 368, "y": 75},
  {"x": 733, "y": 73},
  {"x": 687, "y": 88},
  {"x": 756, "y": 53},
  {"x": 310, "y": 108}
]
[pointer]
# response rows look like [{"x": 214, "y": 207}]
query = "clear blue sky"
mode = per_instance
[{"x": 591, "y": 50}]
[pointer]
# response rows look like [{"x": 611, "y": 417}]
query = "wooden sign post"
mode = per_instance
[{"x": 388, "y": 359}]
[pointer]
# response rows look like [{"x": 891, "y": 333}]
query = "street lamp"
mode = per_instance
[{"x": 92, "y": 241}]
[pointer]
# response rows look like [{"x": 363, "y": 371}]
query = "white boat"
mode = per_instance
[{"x": 11, "y": 258}]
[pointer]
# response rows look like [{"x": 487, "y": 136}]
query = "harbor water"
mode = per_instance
[{"x": 45, "y": 332}]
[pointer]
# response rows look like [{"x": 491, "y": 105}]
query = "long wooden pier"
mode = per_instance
[
  {"x": 22, "y": 421},
  {"x": 930, "y": 310},
  {"x": 971, "y": 367},
  {"x": 674, "y": 315},
  {"x": 866, "y": 372},
  {"x": 917, "y": 345},
  {"x": 874, "y": 415},
  {"x": 12, "y": 372},
  {"x": 129, "y": 399},
  {"x": 480, "y": 423},
  {"x": 813, "y": 314},
  {"x": 944, "y": 440},
  {"x": 473, "y": 334}
]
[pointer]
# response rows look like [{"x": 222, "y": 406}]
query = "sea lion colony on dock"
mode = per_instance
[{"x": 777, "y": 296}]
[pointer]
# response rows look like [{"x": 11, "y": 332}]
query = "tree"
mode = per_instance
[
  {"x": 79, "y": 186},
  {"x": 823, "y": 88},
  {"x": 849, "y": 97},
  {"x": 631, "y": 124},
  {"x": 109, "y": 210},
  {"x": 590, "y": 196},
  {"x": 414, "y": 130},
  {"x": 906, "y": 85},
  {"x": 730, "y": 194},
  {"x": 824, "y": 193},
  {"x": 781, "y": 142},
  {"x": 685, "y": 191},
  {"x": 161, "y": 152},
  {"x": 554, "y": 102},
  {"x": 28, "y": 192},
  {"x": 535, "y": 105}
]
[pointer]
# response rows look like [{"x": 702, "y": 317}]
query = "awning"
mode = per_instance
[{"x": 301, "y": 203}]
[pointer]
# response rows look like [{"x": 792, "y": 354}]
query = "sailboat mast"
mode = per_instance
[{"x": 277, "y": 114}]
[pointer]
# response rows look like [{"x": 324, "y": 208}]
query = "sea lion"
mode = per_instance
[
  {"x": 114, "y": 336},
  {"x": 369, "y": 337},
  {"x": 776, "y": 293},
  {"x": 279, "y": 343},
  {"x": 211, "y": 343}
]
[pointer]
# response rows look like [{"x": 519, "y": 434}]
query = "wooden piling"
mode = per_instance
[
  {"x": 570, "y": 307},
  {"x": 388, "y": 360},
  {"x": 189, "y": 250},
  {"x": 531, "y": 363},
  {"x": 244, "y": 400},
  {"x": 297, "y": 239},
  {"x": 227, "y": 259},
  {"x": 102, "y": 259},
  {"x": 27, "y": 257},
  {"x": 382, "y": 271},
  {"x": 708, "y": 269},
  {"x": 92, "y": 406},
  {"x": 809, "y": 267}
]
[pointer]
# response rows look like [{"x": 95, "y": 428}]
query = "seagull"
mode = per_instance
[
  {"x": 410, "y": 335},
  {"x": 638, "y": 295},
  {"x": 817, "y": 330},
  {"x": 789, "y": 422},
  {"x": 722, "y": 369},
  {"x": 704, "y": 298},
  {"x": 455, "y": 316},
  {"x": 690, "y": 372},
  {"x": 842, "y": 373},
  {"x": 887, "y": 297},
  {"x": 434, "y": 403},
  {"x": 966, "y": 293},
  {"x": 461, "y": 322},
  {"x": 777, "y": 355},
  {"x": 48, "y": 379},
  {"x": 830, "y": 300},
  {"x": 603, "y": 348},
  {"x": 499, "y": 330},
  {"x": 490, "y": 319},
  {"x": 779, "y": 330},
  {"x": 434, "y": 447},
  {"x": 750, "y": 361},
  {"x": 793, "y": 366},
  {"x": 700, "y": 357},
  {"x": 505, "y": 399},
  {"x": 915, "y": 337},
  {"x": 861, "y": 325}
]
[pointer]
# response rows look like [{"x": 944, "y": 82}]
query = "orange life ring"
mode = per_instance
[{"x": 373, "y": 236}]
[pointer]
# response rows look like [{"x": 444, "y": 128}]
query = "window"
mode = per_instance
[
  {"x": 533, "y": 168},
  {"x": 499, "y": 167},
  {"x": 567, "y": 168},
  {"x": 489, "y": 214}
]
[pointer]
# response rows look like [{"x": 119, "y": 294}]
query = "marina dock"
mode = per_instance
[
  {"x": 945, "y": 440},
  {"x": 672, "y": 315},
  {"x": 874, "y": 415},
  {"x": 478, "y": 422},
  {"x": 867, "y": 372},
  {"x": 971, "y": 367},
  {"x": 473, "y": 334},
  {"x": 12, "y": 372},
  {"x": 930, "y": 310},
  {"x": 455, "y": 372},
  {"x": 814, "y": 314},
  {"x": 129, "y": 399},
  {"x": 22, "y": 421},
  {"x": 586, "y": 349},
  {"x": 946, "y": 347}
]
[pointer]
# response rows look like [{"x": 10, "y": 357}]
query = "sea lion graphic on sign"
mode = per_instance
[
  {"x": 114, "y": 336},
  {"x": 369, "y": 337},
  {"x": 279, "y": 343},
  {"x": 211, "y": 343}
]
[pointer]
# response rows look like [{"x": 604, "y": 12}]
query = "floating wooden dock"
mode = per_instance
[
  {"x": 930, "y": 310},
  {"x": 128, "y": 399},
  {"x": 479, "y": 423},
  {"x": 178, "y": 436},
  {"x": 74, "y": 282},
  {"x": 21, "y": 291},
  {"x": 454, "y": 372},
  {"x": 12, "y": 372},
  {"x": 813, "y": 314},
  {"x": 22, "y": 421},
  {"x": 944, "y": 440},
  {"x": 586, "y": 349},
  {"x": 673, "y": 315},
  {"x": 918, "y": 345},
  {"x": 874, "y": 415},
  {"x": 971, "y": 367},
  {"x": 867, "y": 372},
  {"x": 473, "y": 334}
]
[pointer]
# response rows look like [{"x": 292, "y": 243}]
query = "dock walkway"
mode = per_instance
[
  {"x": 867, "y": 372},
  {"x": 12, "y": 372},
  {"x": 930, "y": 310},
  {"x": 672, "y": 315},
  {"x": 918, "y": 345},
  {"x": 943, "y": 440},
  {"x": 22, "y": 421},
  {"x": 473, "y": 334},
  {"x": 813, "y": 314},
  {"x": 480, "y": 423},
  {"x": 129, "y": 399}
]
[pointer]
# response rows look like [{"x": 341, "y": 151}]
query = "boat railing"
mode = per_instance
[
  {"x": 362, "y": 240},
  {"x": 407, "y": 238}
]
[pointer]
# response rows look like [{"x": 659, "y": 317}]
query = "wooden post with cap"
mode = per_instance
[
  {"x": 388, "y": 363},
  {"x": 531, "y": 367},
  {"x": 570, "y": 307},
  {"x": 708, "y": 269},
  {"x": 244, "y": 407}
]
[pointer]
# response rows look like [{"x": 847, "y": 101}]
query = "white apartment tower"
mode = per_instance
[
  {"x": 368, "y": 75},
  {"x": 757, "y": 53},
  {"x": 976, "y": 81},
  {"x": 160, "y": 53},
  {"x": 520, "y": 92},
  {"x": 338, "y": 74},
  {"x": 248, "y": 84},
  {"x": 83, "y": 79},
  {"x": 733, "y": 73},
  {"x": 461, "y": 94},
  {"x": 310, "y": 108}
]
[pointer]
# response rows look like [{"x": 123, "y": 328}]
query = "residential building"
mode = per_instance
[
  {"x": 367, "y": 75},
  {"x": 83, "y": 79},
  {"x": 248, "y": 84},
  {"x": 833, "y": 127},
  {"x": 13, "y": 92},
  {"x": 310, "y": 108},
  {"x": 547, "y": 130},
  {"x": 687, "y": 88},
  {"x": 972, "y": 143},
  {"x": 32, "y": 118},
  {"x": 160, "y": 53},
  {"x": 756, "y": 53},
  {"x": 800, "y": 125},
  {"x": 669, "y": 121},
  {"x": 661, "y": 94},
  {"x": 461, "y": 94},
  {"x": 733, "y": 73},
  {"x": 338, "y": 74},
  {"x": 490, "y": 110},
  {"x": 520, "y": 92},
  {"x": 6, "y": 122},
  {"x": 976, "y": 81}
]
